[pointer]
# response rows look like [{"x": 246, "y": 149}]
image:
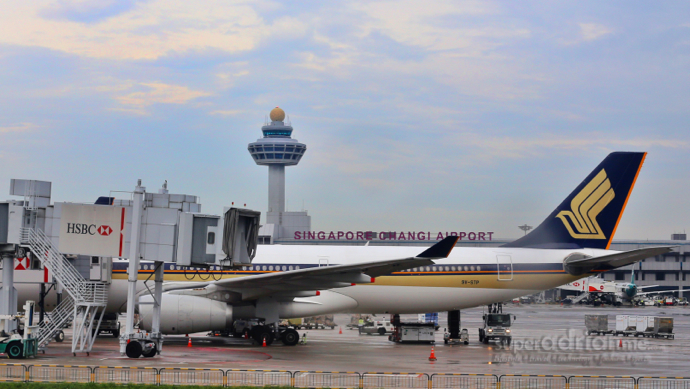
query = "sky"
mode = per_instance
[{"x": 418, "y": 115}]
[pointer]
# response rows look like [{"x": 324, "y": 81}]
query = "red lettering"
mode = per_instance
[
  {"x": 410, "y": 236},
  {"x": 368, "y": 235},
  {"x": 298, "y": 235},
  {"x": 321, "y": 235},
  {"x": 440, "y": 236},
  {"x": 401, "y": 236},
  {"x": 382, "y": 235},
  {"x": 490, "y": 233},
  {"x": 311, "y": 235},
  {"x": 340, "y": 234},
  {"x": 331, "y": 236},
  {"x": 462, "y": 235},
  {"x": 420, "y": 236},
  {"x": 360, "y": 235},
  {"x": 392, "y": 235},
  {"x": 350, "y": 235},
  {"x": 480, "y": 236},
  {"x": 471, "y": 236}
]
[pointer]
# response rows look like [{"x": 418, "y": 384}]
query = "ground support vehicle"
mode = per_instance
[
  {"x": 17, "y": 346},
  {"x": 380, "y": 327},
  {"x": 496, "y": 327},
  {"x": 414, "y": 333},
  {"x": 464, "y": 338},
  {"x": 597, "y": 325},
  {"x": 317, "y": 323},
  {"x": 110, "y": 324}
]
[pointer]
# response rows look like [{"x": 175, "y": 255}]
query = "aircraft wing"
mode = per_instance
[
  {"x": 646, "y": 286},
  {"x": 584, "y": 264},
  {"x": 293, "y": 282}
]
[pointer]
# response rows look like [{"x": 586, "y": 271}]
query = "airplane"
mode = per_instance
[
  {"x": 292, "y": 281},
  {"x": 623, "y": 291}
]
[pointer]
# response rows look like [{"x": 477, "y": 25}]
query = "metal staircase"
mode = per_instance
[
  {"x": 86, "y": 302},
  {"x": 581, "y": 297}
]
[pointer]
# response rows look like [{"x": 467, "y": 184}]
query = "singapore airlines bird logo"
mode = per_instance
[{"x": 581, "y": 220}]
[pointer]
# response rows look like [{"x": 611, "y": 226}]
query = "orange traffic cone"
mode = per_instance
[
  {"x": 189, "y": 342},
  {"x": 341, "y": 331},
  {"x": 264, "y": 345},
  {"x": 620, "y": 343},
  {"x": 432, "y": 357}
]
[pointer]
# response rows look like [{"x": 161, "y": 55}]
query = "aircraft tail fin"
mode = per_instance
[{"x": 589, "y": 216}]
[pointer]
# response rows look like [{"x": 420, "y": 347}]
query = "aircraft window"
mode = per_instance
[
  {"x": 263, "y": 267},
  {"x": 284, "y": 268},
  {"x": 428, "y": 268},
  {"x": 453, "y": 268},
  {"x": 466, "y": 268},
  {"x": 479, "y": 268},
  {"x": 290, "y": 267},
  {"x": 270, "y": 267},
  {"x": 296, "y": 267},
  {"x": 172, "y": 267},
  {"x": 472, "y": 268},
  {"x": 447, "y": 268}
]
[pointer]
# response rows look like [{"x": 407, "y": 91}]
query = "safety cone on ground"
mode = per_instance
[
  {"x": 341, "y": 331},
  {"x": 264, "y": 345},
  {"x": 620, "y": 342},
  {"x": 189, "y": 342},
  {"x": 432, "y": 357}
]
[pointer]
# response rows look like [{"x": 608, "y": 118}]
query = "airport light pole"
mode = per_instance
[{"x": 525, "y": 228}]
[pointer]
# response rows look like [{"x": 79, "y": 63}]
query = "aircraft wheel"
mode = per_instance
[
  {"x": 133, "y": 349},
  {"x": 289, "y": 337},
  {"x": 151, "y": 353},
  {"x": 60, "y": 337},
  {"x": 14, "y": 350}
]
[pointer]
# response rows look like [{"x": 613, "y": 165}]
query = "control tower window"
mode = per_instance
[
  {"x": 290, "y": 148},
  {"x": 280, "y": 148},
  {"x": 279, "y": 156},
  {"x": 261, "y": 156},
  {"x": 268, "y": 148},
  {"x": 269, "y": 156}
]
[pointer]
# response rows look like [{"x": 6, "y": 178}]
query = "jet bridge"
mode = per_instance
[{"x": 159, "y": 227}]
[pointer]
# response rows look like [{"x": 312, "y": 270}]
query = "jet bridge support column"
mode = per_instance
[
  {"x": 133, "y": 269},
  {"x": 8, "y": 294},
  {"x": 157, "y": 300}
]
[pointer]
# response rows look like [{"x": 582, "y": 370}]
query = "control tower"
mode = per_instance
[{"x": 277, "y": 150}]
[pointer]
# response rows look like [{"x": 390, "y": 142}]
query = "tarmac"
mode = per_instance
[{"x": 547, "y": 339}]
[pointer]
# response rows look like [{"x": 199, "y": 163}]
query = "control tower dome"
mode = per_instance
[{"x": 277, "y": 149}]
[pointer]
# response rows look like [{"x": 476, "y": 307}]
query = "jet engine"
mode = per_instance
[{"x": 182, "y": 314}]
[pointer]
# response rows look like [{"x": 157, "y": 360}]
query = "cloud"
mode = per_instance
[
  {"x": 160, "y": 93},
  {"x": 20, "y": 127},
  {"x": 145, "y": 30},
  {"x": 593, "y": 31},
  {"x": 228, "y": 112}
]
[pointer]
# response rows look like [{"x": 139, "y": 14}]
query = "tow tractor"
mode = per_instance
[
  {"x": 15, "y": 345},
  {"x": 496, "y": 325}
]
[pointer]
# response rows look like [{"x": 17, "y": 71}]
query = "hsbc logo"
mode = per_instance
[{"x": 88, "y": 229}]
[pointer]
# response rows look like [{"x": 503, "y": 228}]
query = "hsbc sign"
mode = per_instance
[
  {"x": 96, "y": 230},
  {"x": 88, "y": 229}
]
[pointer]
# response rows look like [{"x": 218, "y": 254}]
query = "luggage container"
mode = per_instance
[
  {"x": 414, "y": 333},
  {"x": 663, "y": 327},
  {"x": 597, "y": 324},
  {"x": 645, "y": 326},
  {"x": 626, "y": 325}
]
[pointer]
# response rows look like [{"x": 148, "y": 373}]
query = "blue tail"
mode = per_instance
[{"x": 590, "y": 215}]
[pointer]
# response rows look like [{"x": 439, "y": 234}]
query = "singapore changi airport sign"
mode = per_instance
[
  {"x": 96, "y": 230},
  {"x": 391, "y": 235}
]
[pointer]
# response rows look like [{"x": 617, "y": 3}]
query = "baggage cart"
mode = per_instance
[{"x": 597, "y": 324}]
